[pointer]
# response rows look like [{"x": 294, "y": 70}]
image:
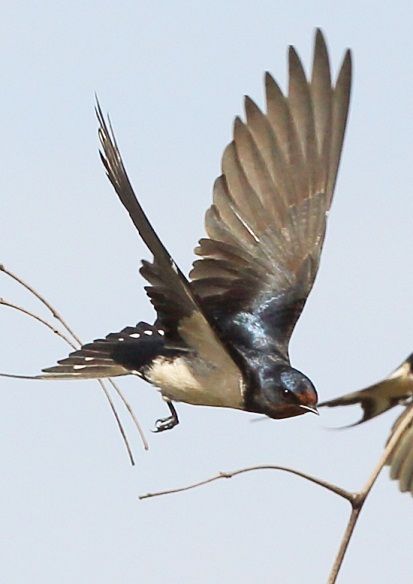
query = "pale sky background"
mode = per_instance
[{"x": 172, "y": 75}]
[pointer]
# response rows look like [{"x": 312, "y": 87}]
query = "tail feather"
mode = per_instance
[
  {"x": 126, "y": 352},
  {"x": 67, "y": 370}
]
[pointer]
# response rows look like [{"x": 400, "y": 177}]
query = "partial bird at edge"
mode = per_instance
[{"x": 395, "y": 389}]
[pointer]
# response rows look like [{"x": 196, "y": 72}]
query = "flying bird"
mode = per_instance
[
  {"x": 221, "y": 336},
  {"x": 395, "y": 389}
]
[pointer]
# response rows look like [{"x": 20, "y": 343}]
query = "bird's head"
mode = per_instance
[{"x": 282, "y": 392}]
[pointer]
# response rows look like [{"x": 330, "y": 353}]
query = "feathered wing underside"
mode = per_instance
[
  {"x": 267, "y": 223},
  {"x": 401, "y": 460}
]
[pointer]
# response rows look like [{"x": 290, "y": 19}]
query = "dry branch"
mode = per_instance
[
  {"x": 74, "y": 345},
  {"x": 356, "y": 499}
]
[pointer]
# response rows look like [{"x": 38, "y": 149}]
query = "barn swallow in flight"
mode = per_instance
[
  {"x": 221, "y": 337},
  {"x": 395, "y": 389}
]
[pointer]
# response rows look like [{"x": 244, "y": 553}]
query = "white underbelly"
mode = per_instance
[{"x": 198, "y": 383}]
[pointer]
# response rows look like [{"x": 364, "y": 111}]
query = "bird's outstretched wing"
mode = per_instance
[
  {"x": 380, "y": 397},
  {"x": 267, "y": 223},
  {"x": 180, "y": 314}
]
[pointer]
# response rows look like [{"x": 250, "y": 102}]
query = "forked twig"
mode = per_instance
[
  {"x": 60, "y": 319},
  {"x": 42, "y": 299},
  {"x": 38, "y": 318},
  {"x": 356, "y": 499},
  {"x": 4, "y": 302}
]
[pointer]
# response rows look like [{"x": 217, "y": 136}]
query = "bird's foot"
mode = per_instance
[
  {"x": 169, "y": 422},
  {"x": 166, "y": 424}
]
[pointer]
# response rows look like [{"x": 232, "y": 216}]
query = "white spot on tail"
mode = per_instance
[
  {"x": 79, "y": 366},
  {"x": 135, "y": 335},
  {"x": 149, "y": 333}
]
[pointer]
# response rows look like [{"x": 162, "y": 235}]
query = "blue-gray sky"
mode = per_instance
[{"x": 172, "y": 75}]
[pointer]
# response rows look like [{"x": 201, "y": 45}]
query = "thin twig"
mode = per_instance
[
  {"x": 358, "y": 500},
  {"x": 59, "y": 317},
  {"x": 131, "y": 412},
  {"x": 355, "y": 512},
  {"x": 119, "y": 423},
  {"x": 44, "y": 322},
  {"x": 42, "y": 299},
  {"x": 229, "y": 474},
  {"x": 4, "y": 302}
]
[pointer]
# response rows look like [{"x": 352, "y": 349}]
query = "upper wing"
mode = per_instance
[
  {"x": 177, "y": 307},
  {"x": 267, "y": 223},
  {"x": 380, "y": 397}
]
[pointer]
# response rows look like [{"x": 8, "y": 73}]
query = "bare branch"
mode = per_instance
[
  {"x": 59, "y": 317},
  {"x": 355, "y": 512},
  {"x": 229, "y": 474},
  {"x": 359, "y": 498},
  {"x": 4, "y": 302},
  {"x": 42, "y": 299},
  {"x": 44, "y": 322},
  {"x": 131, "y": 413},
  {"x": 119, "y": 423},
  {"x": 356, "y": 500}
]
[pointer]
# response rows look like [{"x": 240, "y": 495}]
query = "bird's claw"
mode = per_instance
[{"x": 165, "y": 424}]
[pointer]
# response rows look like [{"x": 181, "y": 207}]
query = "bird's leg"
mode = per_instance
[{"x": 169, "y": 422}]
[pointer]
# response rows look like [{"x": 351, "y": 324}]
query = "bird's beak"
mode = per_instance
[{"x": 312, "y": 409}]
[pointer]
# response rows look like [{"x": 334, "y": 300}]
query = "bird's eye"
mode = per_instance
[{"x": 286, "y": 392}]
